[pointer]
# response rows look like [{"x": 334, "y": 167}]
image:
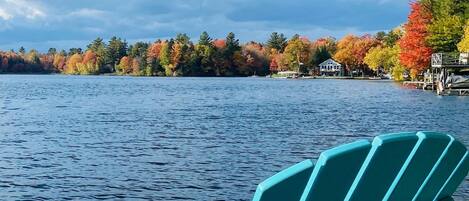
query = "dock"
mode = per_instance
[{"x": 447, "y": 65}]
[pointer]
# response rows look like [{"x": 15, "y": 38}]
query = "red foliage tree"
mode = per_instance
[
  {"x": 415, "y": 53},
  {"x": 219, "y": 43},
  {"x": 154, "y": 50},
  {"x": 89, "y": 57}
]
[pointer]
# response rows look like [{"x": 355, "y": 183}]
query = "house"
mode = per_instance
[{"x": 330, "y": 68}]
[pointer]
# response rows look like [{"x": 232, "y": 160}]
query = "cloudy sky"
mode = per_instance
[{"x": 63, "y": 24}]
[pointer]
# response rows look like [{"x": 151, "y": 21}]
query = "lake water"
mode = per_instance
[{"x": 89, "y": 137}]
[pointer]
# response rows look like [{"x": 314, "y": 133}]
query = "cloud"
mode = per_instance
[
  {"x": 4, "y": 15},
  {"x": 20, "y": 8},
  {"x": 84, "y": 20},
  {"x": 89, "y": 12}
]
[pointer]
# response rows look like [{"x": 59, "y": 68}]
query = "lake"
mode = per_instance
[{"x": 102, "y": 137}]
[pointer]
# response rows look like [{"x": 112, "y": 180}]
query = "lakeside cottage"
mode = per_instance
[{"x": 330, "y": 68}]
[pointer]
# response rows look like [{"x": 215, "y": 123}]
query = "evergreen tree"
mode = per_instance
[
  {"x": 22, "y": 51},
  {"x": 116, "y": 49},
  {"x": 182, "y": 39},
  {"x": 52, "y": 51},
  {"x": 277, "y": 42},
  {"x": 380, "y": 35},
  {"x": 202, "y": 60},
  {"x": 98, "y": 47},
  {"x": 205, "y": 39},
  {"x": 73, "y": 51},
  {"x": 228, "y": 53},
  {"x": 320, "y": 54}
]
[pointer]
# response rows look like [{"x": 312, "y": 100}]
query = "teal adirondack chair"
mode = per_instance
[{"x": 422, "y": 166}]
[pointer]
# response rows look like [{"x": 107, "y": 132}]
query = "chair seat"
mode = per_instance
[{"x": 421, "y": 166}]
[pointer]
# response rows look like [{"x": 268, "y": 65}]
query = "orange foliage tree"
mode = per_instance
[
  {"x": 124, "y": 66},
  {"x": 415, "y": 53},
  {"x": 89, "y": 57},
  {"x": 72, "y": 64},
  {"x": 351, "y": 51}
]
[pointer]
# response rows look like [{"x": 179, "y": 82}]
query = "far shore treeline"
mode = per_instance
[{"x": 432, "y": 26}]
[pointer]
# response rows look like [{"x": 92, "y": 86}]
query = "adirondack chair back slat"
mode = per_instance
[
  {"x": 455, "y": 179},
  {"x": 421, "y": 166},
  {"x": 335, "y": 171},
  {"x": 288, "y": 184},
  {"x": 444, "y": 167},
  {"x": 388, "y": 154},
  {"x": 421, "y": 161}
]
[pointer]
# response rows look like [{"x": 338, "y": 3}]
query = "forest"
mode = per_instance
[{"x": 432, "y": 26}]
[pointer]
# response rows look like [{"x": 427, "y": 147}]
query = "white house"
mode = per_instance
[{"x": 330, "y": 68}]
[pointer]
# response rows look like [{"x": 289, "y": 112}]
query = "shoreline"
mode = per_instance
[{"x": 289, "y": 78}]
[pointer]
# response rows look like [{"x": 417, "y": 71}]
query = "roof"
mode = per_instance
[{"x": 330, "y": 62}]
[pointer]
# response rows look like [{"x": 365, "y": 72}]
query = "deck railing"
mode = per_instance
[{"x": 450, "y": 60}]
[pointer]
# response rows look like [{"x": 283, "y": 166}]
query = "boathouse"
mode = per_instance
[
  {"x": 450, "y": 73},
  {"x": 330, "y": 68}
]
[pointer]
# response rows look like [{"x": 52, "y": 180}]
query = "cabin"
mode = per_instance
[
  {"x": 450, "y": 73},
  {"x": 330, "y": 68}
]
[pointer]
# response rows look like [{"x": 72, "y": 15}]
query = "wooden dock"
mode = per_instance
[{"x": 425, "y": 85}]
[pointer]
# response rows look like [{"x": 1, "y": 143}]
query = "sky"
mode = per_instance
[{"x": 63, "y": 24}]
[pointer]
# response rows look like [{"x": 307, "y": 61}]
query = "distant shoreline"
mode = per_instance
[{"x": 277, "y": 78}]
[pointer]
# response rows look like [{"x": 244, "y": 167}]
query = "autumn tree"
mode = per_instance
[
  {"x": 463, "y": 45},
  {"x": 153, "y": 66},
  {"x": 328, "y": 43},
  {"x": 89, "y": 64},
  {"x": 377, "y": 58},
  {"x": 446, "y": 28},
  {"x": 72, "y": 63},
  {"x": 59, "y": 62},
  {"x": 180, "y": 54},
  {"x": 345, "y": 48},
  {"x": 352, "y": 51},
  {"x": 273, "y": 66},
  {"x": 415, "y": 53},
  {"x": 296, "y": 53},
  {"x": 165, "y": 58},
  {"x": 139, "y": 51},
  {"x": 135, "y": 66},
  {"x": 219, "y": 63},
  {"x": 392, "y": 37},
  {"x": 33, "y": 57},
  {"x": 124, "y": 66},
  {"x": 253, "y": 59},
  {"x": 445, "y": 33}
]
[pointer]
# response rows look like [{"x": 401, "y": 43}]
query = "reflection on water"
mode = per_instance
[{"x": 191, "y": 138}]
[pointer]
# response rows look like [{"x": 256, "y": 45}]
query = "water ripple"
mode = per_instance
[{"x": 126, "y": 138}]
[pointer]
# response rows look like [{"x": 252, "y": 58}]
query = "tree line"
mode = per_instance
[{"x": 432, "y": 26}]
